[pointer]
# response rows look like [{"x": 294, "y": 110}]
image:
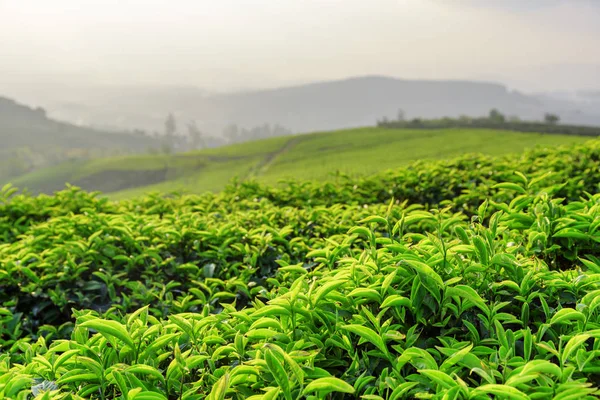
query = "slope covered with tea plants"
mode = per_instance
[
  {"x": 317, "y": 156},
  {"x": 471, "y": 278}
]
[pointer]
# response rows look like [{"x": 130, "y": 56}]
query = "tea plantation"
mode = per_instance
[
  {"x": 471, "y": 278},
  {"x": 314, "y": 156}
]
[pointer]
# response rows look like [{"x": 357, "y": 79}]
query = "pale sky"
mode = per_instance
[{"x": 228, "y": 44}]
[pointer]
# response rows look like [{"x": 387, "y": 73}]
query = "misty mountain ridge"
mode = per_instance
[
  {"x": 23, "y": 126},
  {"x": 326, "y": 105}
]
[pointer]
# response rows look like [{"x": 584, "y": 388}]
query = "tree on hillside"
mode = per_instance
[
  {"x": 514, "y": 119},
  {"x": 170, "y": 125},
  {"x": 401, "y": 115},
  {"x": 170, "y": 140},
  {"x": 551, "y": 119},
  {"x": 496, "y": 116},
  {"x": 41, "y": 112},
  {"x": 279, "y": 130},
  {"x": 382, "y": 121},
  {"x": 195, "y": 135}
]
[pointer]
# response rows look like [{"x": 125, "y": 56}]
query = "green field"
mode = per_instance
[
  {"x": 476, "y": 277},
  {"x": 317, "y": 156}
]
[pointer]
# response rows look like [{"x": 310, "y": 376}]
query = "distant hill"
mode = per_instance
[
  {"x": 316, "y": 156},
  {"x": 30, "y": 140},
  {"x": 23, "y": 126},
  {"x": 317, "y": 106},
  {"x": 361, "y": 101}
]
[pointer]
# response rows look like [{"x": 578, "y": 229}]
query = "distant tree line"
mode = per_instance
[
  {"x": 494, "y": 120},
  {"x": 174, "y": 139},
  {"x": 235, "y": 134}
]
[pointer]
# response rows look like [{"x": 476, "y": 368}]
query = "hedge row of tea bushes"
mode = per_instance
[
  {"x": 461, "y": 182},
  {"x": 473, "y": 278},
  {"x": 487, "y": 123}
]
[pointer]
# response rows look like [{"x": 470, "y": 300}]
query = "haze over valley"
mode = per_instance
[
  {"x": 319, "y": 65},
  {"x": 356, "y": 101}
]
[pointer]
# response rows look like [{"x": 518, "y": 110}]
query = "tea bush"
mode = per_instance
[{"x": 464, "y": 279}]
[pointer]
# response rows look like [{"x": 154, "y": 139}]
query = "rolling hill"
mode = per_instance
[
  {"x": 21, "y": 126},
  {"x": 30, "y": 140},
  {"x": 317, "y": 156}
]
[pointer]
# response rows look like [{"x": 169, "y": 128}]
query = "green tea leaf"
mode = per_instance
[
  {"x": 327, "y": 385},
  {"x": 503, "y": 391},
  {"x": 567, "y": 315},
  {"x": 368, "y": 334},
  {"x": 110, "y": 329}
]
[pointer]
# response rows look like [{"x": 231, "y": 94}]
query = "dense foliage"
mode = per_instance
[{"x": 459, "y": 279}]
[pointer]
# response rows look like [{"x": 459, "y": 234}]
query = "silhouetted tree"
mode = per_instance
[
  {"x": 279, "y": 130},
  {"x": 170, "y": 140},
  {"x": 401, "y": 115},
  {"x": 170, "y": 125},
  {"x": 496, "y": 116},
  {"x": 196, "y": 136},
  {"x": 551, "y": 119},
  {"x": 41, "y": 112}
]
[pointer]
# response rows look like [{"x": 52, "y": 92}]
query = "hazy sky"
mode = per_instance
[{"x": 226, "y": 44}]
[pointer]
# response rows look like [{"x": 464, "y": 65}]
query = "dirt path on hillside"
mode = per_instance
[{"x": 270, "y": 157}]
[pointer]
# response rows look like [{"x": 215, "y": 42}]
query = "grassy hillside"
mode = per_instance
[{"x": 316, "y": 156}]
